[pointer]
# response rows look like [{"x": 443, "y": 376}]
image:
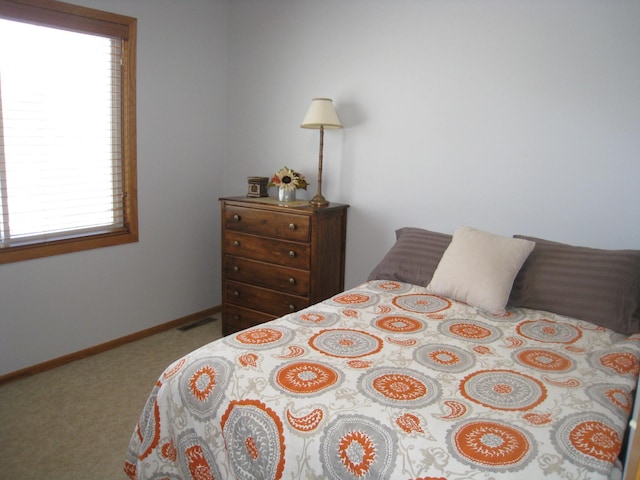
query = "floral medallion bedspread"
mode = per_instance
[{"x": 386, "y": 381}]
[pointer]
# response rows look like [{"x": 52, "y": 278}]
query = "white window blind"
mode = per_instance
[{"x": 60, "y": 134}]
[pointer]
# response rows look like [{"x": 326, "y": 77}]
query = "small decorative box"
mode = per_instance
[{"x": 258, "y": 186}]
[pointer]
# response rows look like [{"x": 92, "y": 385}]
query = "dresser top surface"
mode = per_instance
[{"x": 272, "y": 202}]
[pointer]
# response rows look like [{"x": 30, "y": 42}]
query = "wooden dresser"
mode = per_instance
[{"x": 278, "y": 259}]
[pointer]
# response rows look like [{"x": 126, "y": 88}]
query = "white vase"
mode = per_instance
[{"x": 286, "y": 195}]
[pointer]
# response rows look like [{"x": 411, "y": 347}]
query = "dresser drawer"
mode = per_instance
[
  {"x": 264, "y": 300},
  {"x": 290, "y": 254},
  {"x": 238, "y": 318},
  {"x": 277, "y": 260},
  {"x": 281, "y": 225},
  {"x": 283, "y": 279}
]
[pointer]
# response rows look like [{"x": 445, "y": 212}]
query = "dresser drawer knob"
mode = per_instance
[
  {"x": 236, "y": 317},
  {"x": 236, "y": 268},
  {"x": 236, "y": 243},
  {"x": 292, "y": 254},
  {"x": 236, "y": 218},
  {"x": 292, "y": 226},
  {"x": 292, "y": 280},
  {"x": 236, "y": 293},
  {"x": 292, "y": 308}
]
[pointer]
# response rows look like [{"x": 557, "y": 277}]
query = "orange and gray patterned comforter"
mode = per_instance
[{"x": 386, "y": 381}]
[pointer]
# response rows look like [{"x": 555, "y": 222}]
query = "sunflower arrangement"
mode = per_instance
[{"x": 288, "y": 179}]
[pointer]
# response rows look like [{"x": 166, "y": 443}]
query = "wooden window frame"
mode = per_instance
[{"x": 53, "y": 13}]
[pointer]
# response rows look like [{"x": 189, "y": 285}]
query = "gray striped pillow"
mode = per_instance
[
  {"x": 413, "y": 258},
  {"x": 600, "y": 286}
]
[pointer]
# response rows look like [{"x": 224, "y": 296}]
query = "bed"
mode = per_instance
[{"x": 439, "y": 366}]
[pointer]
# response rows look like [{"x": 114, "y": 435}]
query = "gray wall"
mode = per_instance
[
  {"x": 509, "y": 116},
  {"x": 54, "y": 306}
]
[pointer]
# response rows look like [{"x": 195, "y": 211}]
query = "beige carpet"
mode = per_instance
[{"x": 74, "y": 422}]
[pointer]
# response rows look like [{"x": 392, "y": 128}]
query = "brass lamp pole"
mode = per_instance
[{"x": 321, "y": 115}]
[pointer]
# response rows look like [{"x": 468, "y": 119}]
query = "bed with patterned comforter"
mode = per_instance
[{"x": 388, "y": 381}]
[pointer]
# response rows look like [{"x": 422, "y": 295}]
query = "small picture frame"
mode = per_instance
[{"x": 258, "y": 186}]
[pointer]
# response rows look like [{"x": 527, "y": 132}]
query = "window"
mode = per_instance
[{"x": 67, "y": 129}]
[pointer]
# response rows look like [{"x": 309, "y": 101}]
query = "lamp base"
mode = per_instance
[{"x": 319, "y": 201}]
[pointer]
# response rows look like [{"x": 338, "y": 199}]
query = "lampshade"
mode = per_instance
[{"x": 321, "y": 114}]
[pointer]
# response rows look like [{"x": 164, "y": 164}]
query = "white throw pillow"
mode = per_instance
[{"x": 479, "y": 268}]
